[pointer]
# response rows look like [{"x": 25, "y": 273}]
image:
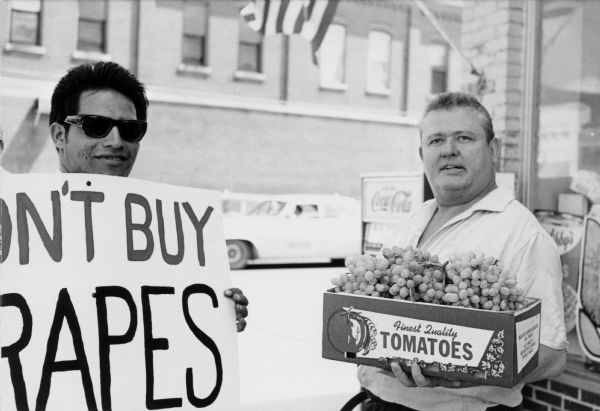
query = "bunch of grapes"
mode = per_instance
[
  {"x": 412, "y": 274},
  {"x": 481, "y": 282},
  {"x": 402, "y": 273}
]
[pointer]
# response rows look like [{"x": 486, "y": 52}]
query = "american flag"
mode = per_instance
[{"x": 309, "y": 18}]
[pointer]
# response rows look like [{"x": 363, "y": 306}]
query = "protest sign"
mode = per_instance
[{"x": 112, "y": 296}]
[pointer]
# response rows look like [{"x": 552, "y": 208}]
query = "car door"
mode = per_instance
[
  {"x": 289, "y": 235},
  {"x": 301, "y": 222}
]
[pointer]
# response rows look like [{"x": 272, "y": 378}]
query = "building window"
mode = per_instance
[
  {"x": 92, "y": 26},
  {"x": 378, "y": 61},
  {"x": 332, "y": 56},
  {"x": 25, "y": 22},
  {"x": 438, "y": 60},
  {"x": 195, "y": 30},
  {"x": 250, "y": 49}
]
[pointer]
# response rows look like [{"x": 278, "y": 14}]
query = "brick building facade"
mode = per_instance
[{"x": 278, "y": 124}]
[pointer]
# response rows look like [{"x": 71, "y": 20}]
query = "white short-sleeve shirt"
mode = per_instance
[{"x": 499, "y": 226}]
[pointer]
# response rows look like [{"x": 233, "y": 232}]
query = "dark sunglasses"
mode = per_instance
[{"x": 99, "y": 126}]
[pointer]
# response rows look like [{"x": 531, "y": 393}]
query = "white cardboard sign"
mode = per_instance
[{"x": 112, "y": 296}]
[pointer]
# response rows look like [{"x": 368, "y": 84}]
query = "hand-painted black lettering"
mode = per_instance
[
  {"x": 146, "y": 253},
  {"x": 65, "y": 311},
  {"x": 53, "y": 244},
  {"x": 5, "y": 231},
  {"x": 207, "y": 341},
  {"x": 12, "y": 351},
  {"x": 172, "y": 259},
  {"x": 199, "y": 226},
  {"x": 105, "y": 340},
  {"x": 88, "y": 197},
  {"x": 152, "y": 344}
]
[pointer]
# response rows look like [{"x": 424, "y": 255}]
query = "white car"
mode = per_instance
[
  {"x": 295, "y": 228},
  {"x": 240, "y": 203}
]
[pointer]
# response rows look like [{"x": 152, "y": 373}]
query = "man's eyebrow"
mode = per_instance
[{"x": 453, "y": 133}]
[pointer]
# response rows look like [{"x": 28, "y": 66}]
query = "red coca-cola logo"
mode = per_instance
[{"x": 391, "y": 201}]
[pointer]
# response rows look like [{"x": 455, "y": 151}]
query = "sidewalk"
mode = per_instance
[{"x": 321, "y": 403}]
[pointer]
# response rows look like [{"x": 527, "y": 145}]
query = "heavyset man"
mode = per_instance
[
  {"x": 470, "y": 213},
  {"x": 97, "y": 120}
]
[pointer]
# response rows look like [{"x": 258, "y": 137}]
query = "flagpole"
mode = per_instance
[
  {"x": 285, "y": 68},
  {"x": 429, "y": 14}
]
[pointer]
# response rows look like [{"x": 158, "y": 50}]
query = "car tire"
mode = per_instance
[{"x": 238, "y": 253}]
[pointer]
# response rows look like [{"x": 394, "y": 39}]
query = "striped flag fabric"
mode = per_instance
[{"x": 308, "y": 18}]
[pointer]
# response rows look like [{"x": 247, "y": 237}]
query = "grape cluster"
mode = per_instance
[
  {"x": 481, "y": 282},
  {"x": 412, "y": 274}
]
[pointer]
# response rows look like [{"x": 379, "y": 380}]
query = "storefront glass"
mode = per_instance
[{"x": 569, "y": 131}]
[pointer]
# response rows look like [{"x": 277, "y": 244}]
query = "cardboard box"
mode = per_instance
[{"x": 489, "y": 347}]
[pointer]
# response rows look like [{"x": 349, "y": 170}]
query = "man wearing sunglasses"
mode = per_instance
[{"x": 97, "y": 120}]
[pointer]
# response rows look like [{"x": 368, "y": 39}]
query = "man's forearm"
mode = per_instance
[{"x": 550, "y": 364}]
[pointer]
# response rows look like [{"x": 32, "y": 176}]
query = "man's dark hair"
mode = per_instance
[
  {"x": 98, "y": 76},
  {"x": 451, "y": 100}
]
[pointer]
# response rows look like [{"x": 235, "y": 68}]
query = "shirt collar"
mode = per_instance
[{"x": 495, "y": 201}]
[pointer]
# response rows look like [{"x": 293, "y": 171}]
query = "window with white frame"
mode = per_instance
[
  {"x": 378, "y": 61},
  {"x": 195, "y": 30},
  {"x": 438, "y": 60},
  {"x": 249, "y": 48},
  {"x": 332, "y": 58},
  {"x": 91, "y": 34},
  {"x": 25, "y": 18}
]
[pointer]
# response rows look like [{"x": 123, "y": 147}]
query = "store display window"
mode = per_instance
[{"x": 567, "y": 161}]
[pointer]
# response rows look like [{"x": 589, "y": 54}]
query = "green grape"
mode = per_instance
[
  {"x": 451, "y": 297},
  {"x": 382, "y": 288},
  {"x": 466, "y": 273}
]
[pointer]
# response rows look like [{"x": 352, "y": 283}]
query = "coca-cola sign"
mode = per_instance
[{"x": 391, "y": 198}]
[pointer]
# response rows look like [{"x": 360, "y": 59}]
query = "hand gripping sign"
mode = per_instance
[{"x": 112, "y": 296}]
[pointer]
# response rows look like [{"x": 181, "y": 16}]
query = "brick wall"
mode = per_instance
[
  {"x": 492, "y": 36},
  {"x": 575, "y": 390},
  {"x": 251, "y": 151}
]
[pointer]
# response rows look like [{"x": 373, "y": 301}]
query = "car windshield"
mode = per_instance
[{"x": 268, "y": 208}]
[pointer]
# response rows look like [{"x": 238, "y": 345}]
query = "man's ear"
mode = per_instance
[
  {"x": 59, "y": 135},
  {"x": 495, "y": 145},
  {"x": 421, "y": 152}
]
